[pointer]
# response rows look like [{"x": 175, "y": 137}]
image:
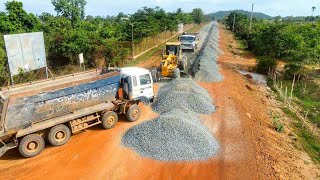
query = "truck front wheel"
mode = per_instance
[
  {"x": 59, "y": 135},
  {"x": 31, "y": 145},
  {"x": 133, "y": 113},
  {"x": 109, "y": 120}
]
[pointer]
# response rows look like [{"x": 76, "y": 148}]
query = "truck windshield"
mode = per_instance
[
  {"x": 186, "y": 38},
  {"x": 145, "y": 79}
]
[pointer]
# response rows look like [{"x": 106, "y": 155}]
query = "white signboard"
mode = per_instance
[
  {"x": 180, "y": 28},
  {"x": 25, "y": 52},
  {"x": 81, "y": 60}
]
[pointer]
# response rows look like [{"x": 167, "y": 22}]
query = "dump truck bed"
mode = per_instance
[
  {"x": 26, "y": 104},
  {"x": 52, "y": 84}
]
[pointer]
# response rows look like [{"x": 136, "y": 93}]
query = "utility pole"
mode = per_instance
[
  {"x": 132, "y": 41},
  {"x": 251, "y": 17},
  {"x": 312, "y": 17},
  {"x": 234, "y": 20}
]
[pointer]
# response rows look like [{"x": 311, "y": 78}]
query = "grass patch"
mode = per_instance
[
  {"x": 307, "y": 97},
  {"x": 242, "y": 44},
  {"x": 153, "y": 51},
  {"x": 277, "y": 122},
  {"x": 310, "y": 143}
]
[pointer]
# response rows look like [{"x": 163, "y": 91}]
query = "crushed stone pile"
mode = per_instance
[
  {"x": 205, "y": 68},
  {"x": 177, "y": 134},
  {"x": 174, "y": 136},
  {"x": 183, "y": 94}
]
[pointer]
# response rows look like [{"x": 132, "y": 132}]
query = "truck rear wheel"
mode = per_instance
[
  {"x": 59, "y": 135},
  {"x": 31, "y": 145},
  {"x": 109, "y": 120},
  {"x": 133, "y": 113}
]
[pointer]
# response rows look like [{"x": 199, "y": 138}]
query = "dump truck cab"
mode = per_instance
[
  {"x": 137, "y": 84},
  {"x": 189, "y": 41}
]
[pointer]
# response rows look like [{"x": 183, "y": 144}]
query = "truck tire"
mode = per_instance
[
  {"x": 59, "y": 135},
  {"x": 176, "y": 73},
  {"x": 133, "y": 113},
  {"x": 31, "y": 145},
  {"x": 109, "y": 120}
]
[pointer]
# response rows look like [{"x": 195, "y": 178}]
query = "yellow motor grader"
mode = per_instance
[{"x": 173, "y": 62}]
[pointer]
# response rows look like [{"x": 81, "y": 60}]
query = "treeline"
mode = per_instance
[
  {"x": 70, "y": 32},
  {"x": 296, "y": 43}
]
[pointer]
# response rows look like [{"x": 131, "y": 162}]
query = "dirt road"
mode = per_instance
[{"x": 250, "y": 149}]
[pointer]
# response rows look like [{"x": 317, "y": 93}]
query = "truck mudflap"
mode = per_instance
[{"x": 5, "y": 147}]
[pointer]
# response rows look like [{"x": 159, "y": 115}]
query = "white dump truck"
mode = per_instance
[
  {"x": 54, "y": 109},
  {"x": 189, "y": 41}
]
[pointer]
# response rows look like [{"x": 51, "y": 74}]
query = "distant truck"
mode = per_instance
[
  {"x": 189, "y": 41},
  {"x": 54, "y": 109}
]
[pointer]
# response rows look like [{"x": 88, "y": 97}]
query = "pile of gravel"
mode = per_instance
[
  {"x": 178, "y": 134},
  {"x": 205, "y": 68},
  {"x": 183, "y": 94},
  {"x": 174, "y": 136}
]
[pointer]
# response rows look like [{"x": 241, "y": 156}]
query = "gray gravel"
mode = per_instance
[
  {"x": 178, "y": 134},
  {"x": 183, "y": 94},
  {"x": 205, "y": 68},
  {"x": 174, "y": 136}
]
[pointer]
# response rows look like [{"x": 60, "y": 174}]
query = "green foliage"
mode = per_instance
[
  {"x": 71, "y": 9},
  {"x": 310, "y": 143},
  {"x": 292, "y": 69},
  {"x": 265, "y": 64},
  {"x": 240, "y": 25},
  {"x": 294, "y": 42},
  {"x": 277, "y": 122},
  {"x": 223, "y": 14},
  {"x": 23, "y": 77},
  {"x": 198, "y": 15},
  {"x": 70, "y": 33},
  {"x": 16, "y": 20},
  {"x": 3, "y": 62},
  {"x": 307, "y": 95}
]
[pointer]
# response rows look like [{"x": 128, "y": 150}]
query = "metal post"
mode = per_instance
[
  {"x": 11, "y": 79},
  {"x": 132, "y": 41},
  {"x": 234, "y": 20},
  {"x": 251, "y": 17},
  {"x": 47, "y": 75}
]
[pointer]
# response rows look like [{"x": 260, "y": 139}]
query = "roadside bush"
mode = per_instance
[
  {"x": 291, "y": 69},
  {"x": 266, "y": 63}
]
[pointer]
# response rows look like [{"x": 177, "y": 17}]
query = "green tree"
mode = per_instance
[
  {"x": 198, "y": 15},
  {"x": 17, "y": 20},
  {"x": 72, "y": 9},
  {"x": 3, "y": 62}
]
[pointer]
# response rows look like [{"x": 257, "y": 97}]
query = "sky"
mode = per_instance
[{"x": 113, "y": 7}]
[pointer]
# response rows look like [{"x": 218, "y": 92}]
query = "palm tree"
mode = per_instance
[{"x": 313, "y": 9}]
